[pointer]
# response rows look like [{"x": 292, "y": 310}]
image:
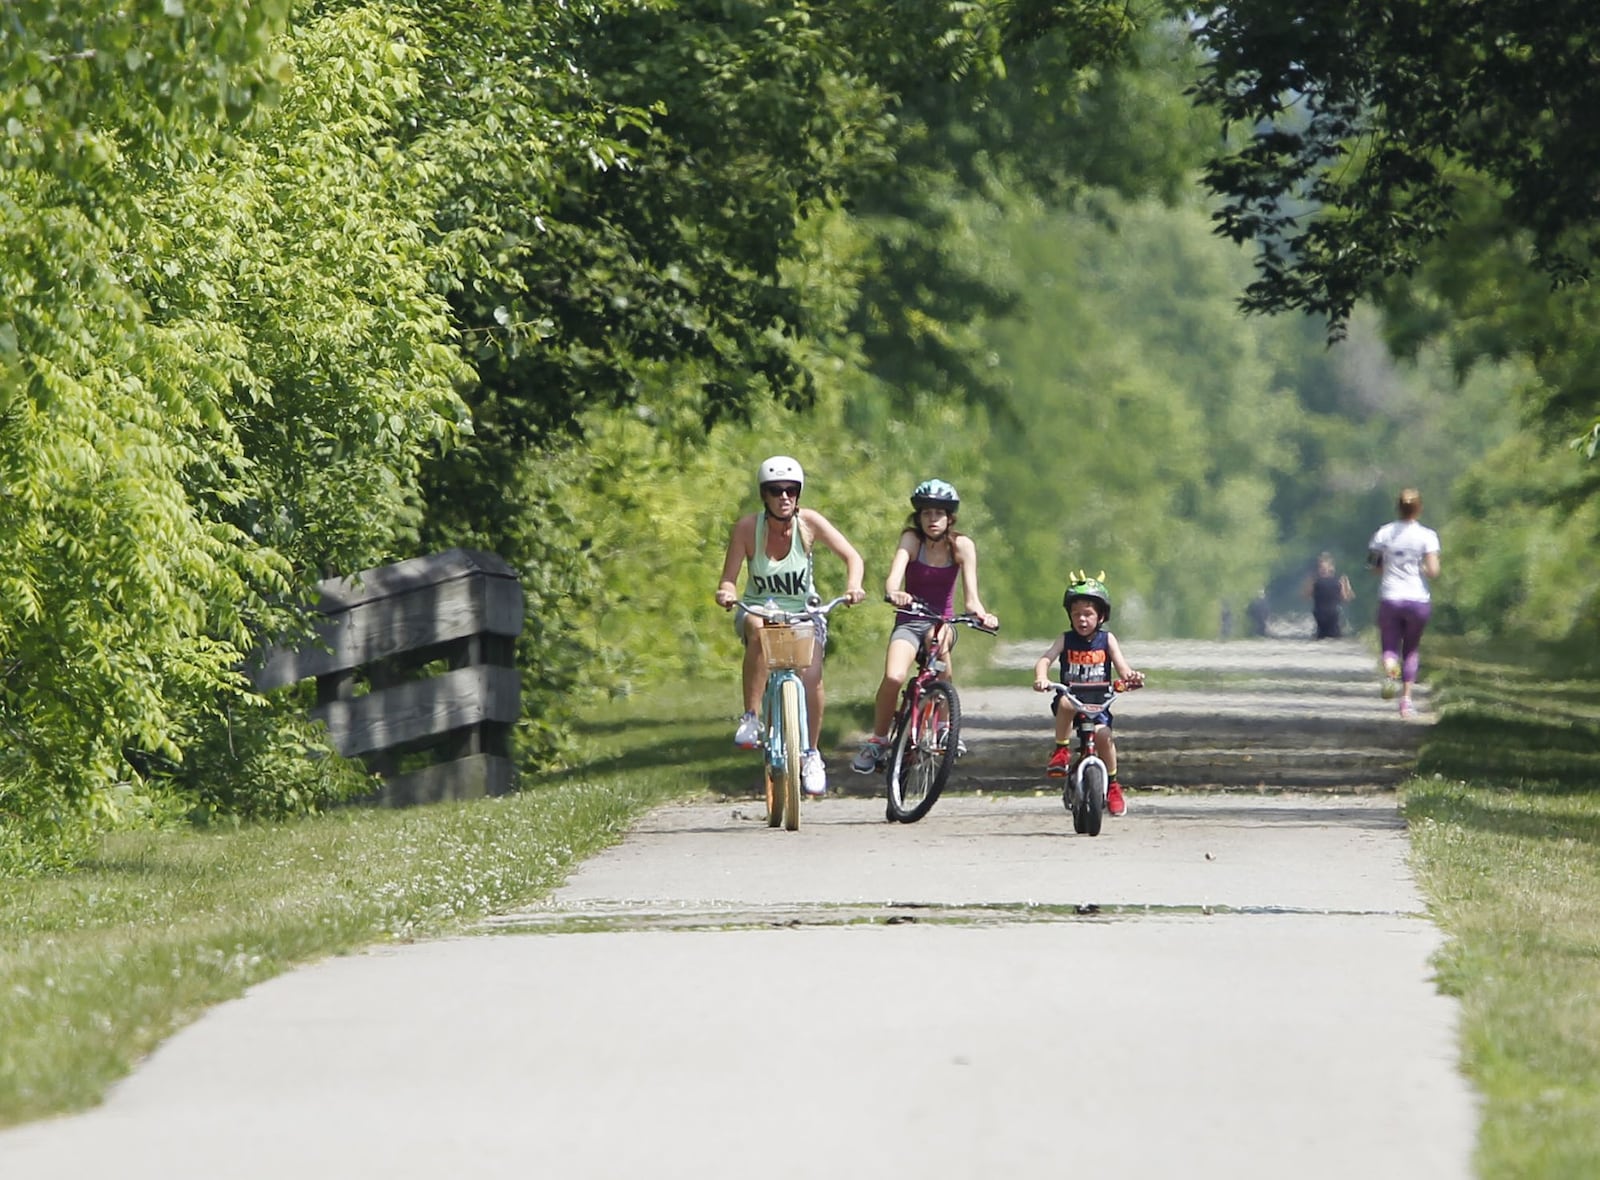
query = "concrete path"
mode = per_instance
[{"x": 1220, "y": 985}]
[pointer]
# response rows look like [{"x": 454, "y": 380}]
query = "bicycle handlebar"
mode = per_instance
[
  {"x": 1115, "y": 689},
  {"x": 922, "y": 610},
  {"x": 776, "y": 614}
]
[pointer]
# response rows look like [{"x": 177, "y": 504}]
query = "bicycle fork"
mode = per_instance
[
  {"x": 1089, "y": 765},
  {"x": 777, "y": 755}
]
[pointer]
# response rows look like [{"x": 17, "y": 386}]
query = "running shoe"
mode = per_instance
[
  {"x": 1060, "y": 762},
  {"x": 748, "y": 735},
  {"x": 1407, "y": 709},
  {"x": 1391, "y": 679},
  {"x": 871, "y": 755},
  {"x": 1115, "y": 803},
  {"x": 813, "y": 775}
]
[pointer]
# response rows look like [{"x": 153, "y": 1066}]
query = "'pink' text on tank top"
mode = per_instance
[{"x": 790, "y": 584}]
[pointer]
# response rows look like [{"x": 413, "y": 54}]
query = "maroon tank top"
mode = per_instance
[{"x": 934, "y": 584}]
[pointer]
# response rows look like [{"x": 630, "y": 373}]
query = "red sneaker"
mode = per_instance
[
  {"x": 1115, "y": 803},
  {"x": 1059, "y": 762}
]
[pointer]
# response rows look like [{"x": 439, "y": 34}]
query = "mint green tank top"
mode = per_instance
[{"x": 786, "y": 582}]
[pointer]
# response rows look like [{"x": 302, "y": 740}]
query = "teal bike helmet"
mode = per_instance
[
  {"x": 935, "y": 493},
  {"x": 1093, "y": 589}
]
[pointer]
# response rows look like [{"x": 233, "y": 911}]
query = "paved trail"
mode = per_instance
[{"x": 1223, "y": 984}]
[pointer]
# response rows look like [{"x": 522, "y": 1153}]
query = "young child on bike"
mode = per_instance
[
  {"x": 776, "y": 544},
  {"x": 928, "y": 561},
  {"x": 1089, "y": 656}
]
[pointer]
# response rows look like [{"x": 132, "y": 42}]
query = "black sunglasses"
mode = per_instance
[{"x": 792, "y": 490}]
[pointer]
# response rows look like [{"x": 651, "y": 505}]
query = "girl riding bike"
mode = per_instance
[{"x": 929, "y": 559}]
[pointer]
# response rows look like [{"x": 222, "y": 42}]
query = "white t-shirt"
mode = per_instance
[{"x": 1402, "y": 544}]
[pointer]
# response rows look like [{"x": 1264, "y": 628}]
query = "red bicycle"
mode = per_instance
[
  {"x": 1084, "y": 794},
  {"x": 925, "y": 736}
]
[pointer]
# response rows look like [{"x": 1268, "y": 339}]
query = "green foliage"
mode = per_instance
[
  {"x": 307, "y": 290},
  {"x": 1526, "y": 556},
  {"x": 197, "y": 422},
  {"x": 1149, "y": 434},
  {"x": 266, "y": 760},
  {"x": 664, "y": 254},
  {"x": 1358, "y": 109},
  {"x": 1360, "y": 171}
]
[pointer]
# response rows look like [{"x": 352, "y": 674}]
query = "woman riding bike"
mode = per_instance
[{"x": 776, "y": 544}]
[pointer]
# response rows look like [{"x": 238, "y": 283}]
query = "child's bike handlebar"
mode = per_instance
[{"x": 1116, "y": 689}]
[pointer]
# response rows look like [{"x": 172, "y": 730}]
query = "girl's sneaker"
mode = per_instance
[
  {"x": 871, "y": 755},
  {"x": 1115, "y": 803},
  {"x": 1407, "y": 709}
]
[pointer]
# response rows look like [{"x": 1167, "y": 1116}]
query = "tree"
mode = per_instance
[
  {"x": 1353, "y": 118},
  {"x": 1440, "y": 158},
  {"x": 196, "y": 424}
]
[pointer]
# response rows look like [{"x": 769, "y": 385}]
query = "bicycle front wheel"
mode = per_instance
[
  {"x": 922, "y": 760},
  {"x": 790, "y": 706},
  {"x": 1093, "y": 795}
]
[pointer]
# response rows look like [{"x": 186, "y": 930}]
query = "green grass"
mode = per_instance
[
  {"x": 1505, "y": 830},
  {"x": 98, "y": 966}
]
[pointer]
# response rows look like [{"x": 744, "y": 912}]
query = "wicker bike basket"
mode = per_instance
[{"x": 788, "y": 646}]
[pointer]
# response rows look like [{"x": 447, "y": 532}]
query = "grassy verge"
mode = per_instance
[
  {"x": 99, "y": 966},
  {"x": 1505, "y": 829}
]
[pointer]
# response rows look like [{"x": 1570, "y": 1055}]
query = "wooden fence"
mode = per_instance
[{"x": 415, "y": 672}]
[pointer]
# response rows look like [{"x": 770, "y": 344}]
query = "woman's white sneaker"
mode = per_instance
[
  {"x": 748, "y": 735},
  {"x": 813, "y": 775}
]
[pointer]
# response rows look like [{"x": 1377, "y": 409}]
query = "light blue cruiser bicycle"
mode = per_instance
[{"x": 788, "y": 641}]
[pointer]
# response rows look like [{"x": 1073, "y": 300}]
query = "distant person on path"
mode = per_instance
[
  {"x": 777, "y": 544},
  {"x": 1328, "y": 592},
  {"x": 1405, "y": 555},
  {"x": 1260, "y": 612},
  {"x": 1090, "y": 660},
  {"x": 929, "y": 560}
]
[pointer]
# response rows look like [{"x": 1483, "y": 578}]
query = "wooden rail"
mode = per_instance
[{"x": 415, "y": 671}]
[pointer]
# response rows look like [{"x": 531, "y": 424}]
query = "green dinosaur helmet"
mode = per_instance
[{"x": 1083, "y": 586}]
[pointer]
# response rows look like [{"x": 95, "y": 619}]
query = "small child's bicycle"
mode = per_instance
[
  {"x": 925, "y": 736},
  {"x": 788, "y": 640},
  {"x": 1084, "y": 794}
]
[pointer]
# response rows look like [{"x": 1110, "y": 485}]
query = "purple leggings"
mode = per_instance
[{"x": 1400, "y": 627}]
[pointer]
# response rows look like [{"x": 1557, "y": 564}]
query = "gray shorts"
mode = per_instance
[
  {"x": 740, "y": 614},
  {"x": 912, "y": 633}
]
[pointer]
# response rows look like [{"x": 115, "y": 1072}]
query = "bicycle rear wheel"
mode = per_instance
[
  {"x": 774, "y": 796},
  {"x": 922, "y": 760},
  {"x": 789, "y": 708}
]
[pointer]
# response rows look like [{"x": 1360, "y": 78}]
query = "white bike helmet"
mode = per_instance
[{"x": 780, "y": 469}]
